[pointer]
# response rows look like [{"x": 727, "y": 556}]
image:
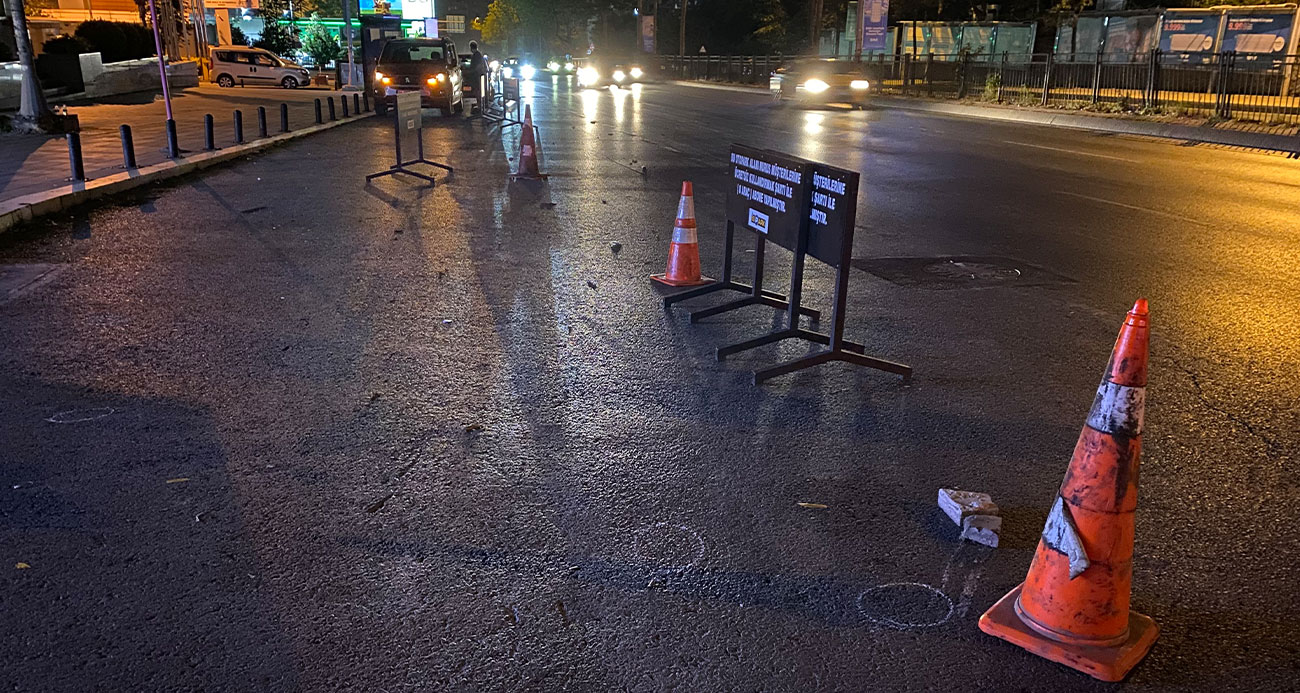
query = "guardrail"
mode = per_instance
[{"x": 1218, "y": 85}]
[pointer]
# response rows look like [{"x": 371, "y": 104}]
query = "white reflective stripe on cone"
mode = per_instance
[
  {"x": 1118, "y": 409},
  {"x": 686, "y": 208},
  {"x": 683, "y": 234}
]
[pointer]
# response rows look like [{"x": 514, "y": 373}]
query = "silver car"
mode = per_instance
[{"x": 250, "y": 67}]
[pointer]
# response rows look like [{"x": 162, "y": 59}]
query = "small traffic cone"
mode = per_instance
[
  {"x": 1073, "y": 607},
  {"x": 528, "y": 148},
  {"x": 684, "y": 251}
]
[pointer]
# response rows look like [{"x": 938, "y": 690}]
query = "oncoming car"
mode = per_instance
[
  {"x": 626, "y": 73},
  {"x": 823, "y": 82},
  {"x": 604, "y": 70},
  {"x": 561, "y": 65},
  {"x": 514, "y": 67},
  {"x": 426, "y": 65}
]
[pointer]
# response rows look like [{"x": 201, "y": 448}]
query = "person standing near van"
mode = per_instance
[{"x": 477, "y": 67}]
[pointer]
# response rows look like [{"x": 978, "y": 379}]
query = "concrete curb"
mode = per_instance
[
  {"x": 22, "y": 209},
  {"x": 1119, "y": 126}
]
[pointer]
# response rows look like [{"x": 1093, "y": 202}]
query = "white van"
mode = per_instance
[{"x": 250, "y": 67}]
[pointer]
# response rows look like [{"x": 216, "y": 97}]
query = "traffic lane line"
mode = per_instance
[
  {"x": 1135, "y": 208},
  {"x": 1072, "y": 151}
]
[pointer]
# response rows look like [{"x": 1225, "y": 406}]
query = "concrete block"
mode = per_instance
[
  {"x": 981, "y": 529},
  {"x": 959, "y": 504}
]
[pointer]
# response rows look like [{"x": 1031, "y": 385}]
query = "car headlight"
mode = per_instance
[
  {"x": 816, "y": 86},
  {"x": 619, "y": 75},
  {"x": 433, "y": 81},
  {"x": 636, "y": 73},
  {"x": 552, "y": 66},
  {"x": 860, "y": 84},
  {"x": 568, "y": 66},
  {"x": 588, "y": 75},
  {"x": 495, "y": 64},
  {"x": 379, "y": 76},
  {"x": 527, "y": 71},
  {"x": 508, "y": 72}
]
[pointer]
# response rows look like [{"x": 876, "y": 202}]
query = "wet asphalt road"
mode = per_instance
[{"x": 387, "y": 438}]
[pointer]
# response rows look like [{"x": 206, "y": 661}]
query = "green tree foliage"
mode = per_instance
[
  {"x": 501, "y": 24},
  {"x": 281, "y": 39},
  {"x": 320, "y": 44},
  {"x": 237, "y": 36}
]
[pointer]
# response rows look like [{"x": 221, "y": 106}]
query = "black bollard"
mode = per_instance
[
  {"x": 74, "y": 156},
  {"x": 209, "y": 137},
  {"x": 333, "y": 117},
  {"x": 128, "y": 147},
  {"x": 365, "y": 100},
  {"x": 239, "y": 127},
  {"x": 356, "y": 104},
  {"x": 318, "y": 118},
  {"x": 343, "y": 100},
  {"x": 173, "y": 147},
  {"x": 284, "y": 117},
  {"x": 261, "y": 121}
]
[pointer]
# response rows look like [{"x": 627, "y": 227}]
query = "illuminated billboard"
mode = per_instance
[{"x": 417, "y": 9}]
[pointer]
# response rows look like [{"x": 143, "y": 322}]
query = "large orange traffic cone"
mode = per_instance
[
  {"x": 1073, "y": 607},
  {"x": 528, "y": 148},
  {"x": 684, "y": 252}
]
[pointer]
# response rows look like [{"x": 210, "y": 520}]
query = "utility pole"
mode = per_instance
[
  {"x": 681, "y": 34},
  {"x": 347, "y": 32},
  {"x": 33, "y": 112},
  {"x": 815, "y": 26}
]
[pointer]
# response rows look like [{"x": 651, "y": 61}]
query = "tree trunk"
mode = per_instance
[{"x": 33, "y": 112}]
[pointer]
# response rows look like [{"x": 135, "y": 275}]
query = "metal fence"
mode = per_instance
[{"x": 1218, "y": 85}]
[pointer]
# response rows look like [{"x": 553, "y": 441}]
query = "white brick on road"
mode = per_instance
[{"x": 33, "y": 163}]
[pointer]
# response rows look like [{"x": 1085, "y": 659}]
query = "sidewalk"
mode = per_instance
[
  {"x": 30, "y": 164},
  {"x": 1229, "y": 133}
]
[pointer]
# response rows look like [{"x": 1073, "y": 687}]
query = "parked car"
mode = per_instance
[
  {"x": 823, "y": 82},
  {"x": 427, "y": 65},
  {"x": 250, "y": 67}
]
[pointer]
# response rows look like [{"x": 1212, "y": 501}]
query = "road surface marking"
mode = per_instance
[
  {"x": 968, "y": 590},
  {"x": 79, "y": 415},
  {"x": 1134, "y": 207},
  {"x": 898, "y": 624},
  {"x": 1072, "y": 151}
]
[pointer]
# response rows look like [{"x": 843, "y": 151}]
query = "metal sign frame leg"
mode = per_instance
[
  {"x": 840, "y": 349},
  {"x": 764, "y": 296},
  {"x": 401, "y": 166}
]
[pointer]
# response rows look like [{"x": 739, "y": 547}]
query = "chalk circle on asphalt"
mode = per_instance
[
  {"x": 905, "y": 605},
  {"x": 669, "y": 546},
  {"x": 79, "y": 415}
]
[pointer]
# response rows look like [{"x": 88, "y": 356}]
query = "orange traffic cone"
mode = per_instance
[
  {"x": 684, "y": 252},
  {"x": 528, "y": 148},
  {"x": 1073, "y": 607}
]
